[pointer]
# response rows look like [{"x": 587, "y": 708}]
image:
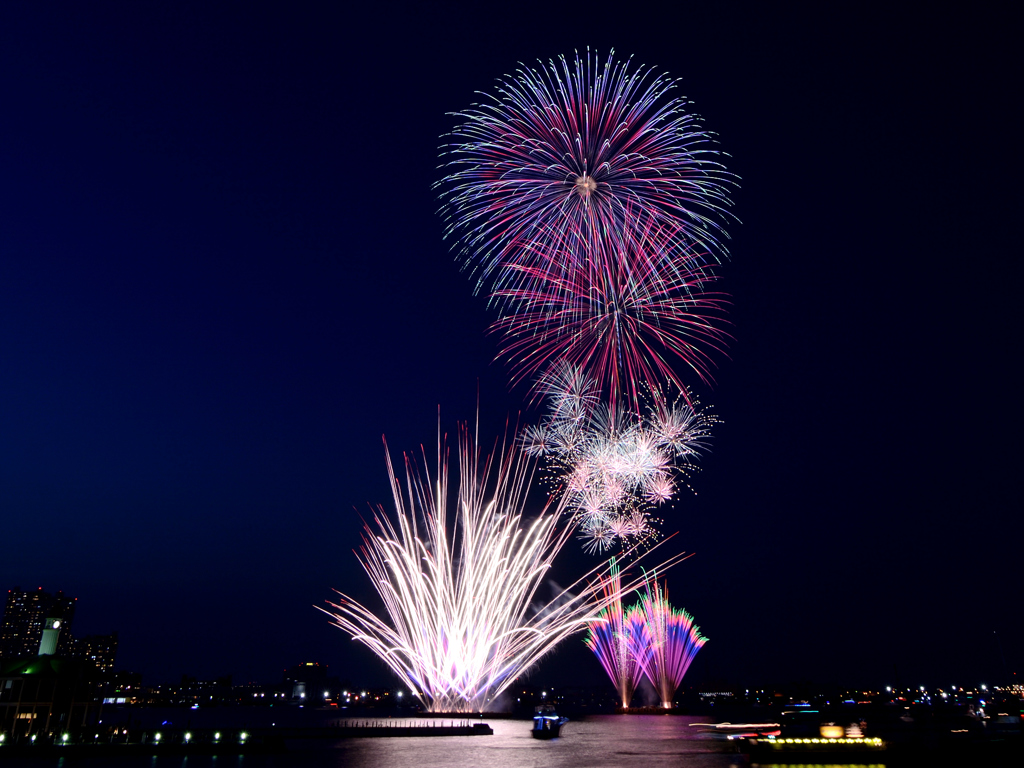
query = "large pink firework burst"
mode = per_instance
[
  {"x": 626, "y": 323},
  {"x": 588, "y": 201},
  {"x": 583, "y": 148}
]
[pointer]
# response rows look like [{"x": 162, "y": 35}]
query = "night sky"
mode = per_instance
[{"x": 223, "y": 279}]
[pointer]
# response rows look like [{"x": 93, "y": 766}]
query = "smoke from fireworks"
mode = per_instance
[
  {"x": 613, "y": 468},
  {"x": 588, "y": 201},
  {"x": 461, "y": 623}
]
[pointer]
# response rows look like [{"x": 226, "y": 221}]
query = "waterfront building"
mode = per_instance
[
  {"x": 303, "y": 681},
  {"x": 43, "y": 694},
  {"x": 100, "y": 650}
]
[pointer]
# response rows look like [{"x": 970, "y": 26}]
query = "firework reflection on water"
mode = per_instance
[{"x": 599, "y": 741}]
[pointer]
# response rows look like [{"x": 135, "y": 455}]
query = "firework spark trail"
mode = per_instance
[
  {"x": 461, "y": 624},
  {"x": 667, "y": 643},
  {"x": 622, "y": 323},
  {"x": 613, "y": 469},
  {"x": 610, "y": 641},
  {"x": 588, "y": 201}
]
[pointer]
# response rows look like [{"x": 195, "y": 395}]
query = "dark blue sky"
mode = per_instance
[{"x": 222, "y": 279}]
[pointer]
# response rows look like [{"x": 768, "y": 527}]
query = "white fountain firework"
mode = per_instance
[
  {"x": 615, "y": 466},
  {"x": 461, "y": 620}
]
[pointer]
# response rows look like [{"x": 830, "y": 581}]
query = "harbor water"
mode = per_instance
[{"x": 600, "y": 741}]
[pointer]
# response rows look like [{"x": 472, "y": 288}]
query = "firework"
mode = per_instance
[
  {"x": 623, "y": 326},
  {"x": 461, "y": 620},
  {"x": 575, "y": 153},
  {"x": 667, "y": 642},
  {"x": 588, "y": 201},
  {"x": 612, "y": 468},
  {"x": 611, "y": 639}
]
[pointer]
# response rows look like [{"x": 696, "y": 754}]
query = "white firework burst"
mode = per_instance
[
  {"x": 462, "y": 618},
  {"x": 613, "y": 466}
]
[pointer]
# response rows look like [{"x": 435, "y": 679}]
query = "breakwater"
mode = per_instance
[
  {"x": 191, "y": 741},
  {"x": 372, "y": 729}
]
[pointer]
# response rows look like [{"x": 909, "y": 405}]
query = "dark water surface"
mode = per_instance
[
  {"x": 598, "y": 741},
  {"x": 644, "y": 741},
  {"x": 604, "y": 741}
]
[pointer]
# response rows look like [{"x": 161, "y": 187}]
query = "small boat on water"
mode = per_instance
[
  {"x": 738, "y": 730},
  {"x": 547, "y": 722}
]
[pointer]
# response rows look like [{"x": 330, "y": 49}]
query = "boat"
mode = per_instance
[
  {"x": 547, "y": 723},
  {"x": 738, "y": 730},
  {"x": 803, "y": 733},
  {"x": 826, "y": 749}
]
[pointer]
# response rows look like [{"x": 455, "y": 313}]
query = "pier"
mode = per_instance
[
  {"x": 375, "y": 729},
  {"x": 187, "y": 741}
]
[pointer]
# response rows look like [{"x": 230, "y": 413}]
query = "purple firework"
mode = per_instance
[
  {"x": 586, "y": 196},
  {"x": 622, "y": 322},
  {"x": 610, "y": 638},
  {"x": 667, "y": 643}
]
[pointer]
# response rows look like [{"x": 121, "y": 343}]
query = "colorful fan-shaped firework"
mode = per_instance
[
  {"x": 668, "y": 642},
  {"x": 610, "y": 639}
]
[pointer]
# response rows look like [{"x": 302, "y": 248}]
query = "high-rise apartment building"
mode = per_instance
[
  {"x": 25, "y": 619},
  {"x": 101, "y": 650}
]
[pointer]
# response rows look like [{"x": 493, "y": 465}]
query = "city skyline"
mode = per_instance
[{"x": 23, "y": 641}]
